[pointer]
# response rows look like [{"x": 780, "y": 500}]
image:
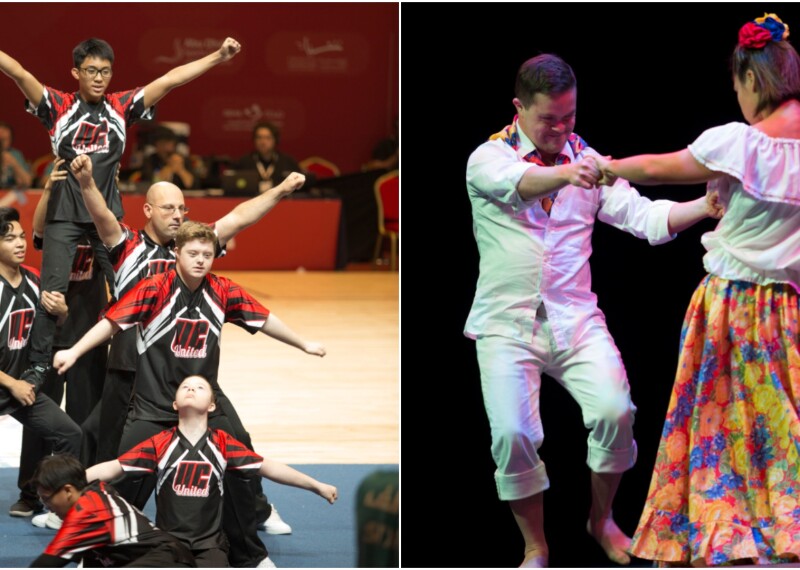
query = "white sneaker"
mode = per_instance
[
  {"x": 275, "y": 524},
  {"x": 47, "y": 520},
  {"x": 266, "y": 563}
]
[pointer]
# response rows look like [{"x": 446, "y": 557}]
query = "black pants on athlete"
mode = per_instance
[
  {"x": 46, "y": 420},
  {"x": 61, "y": 240},
  {"x": 85, "y": 381}
]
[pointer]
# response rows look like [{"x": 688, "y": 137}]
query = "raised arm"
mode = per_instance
[
  {"x": 95, "y": 336},
  {"x": 156, "y": 90},
  {"x": 26, "y": 82},
  {"x": 277, "y": 329},
  {"x": 104, "y": 220},
  {"x": 40, "y": 214},
  {"x": 282, "y": 473},
  {"x": 248, "y": 213},
  {"x": 675, "y": 168},
  {"x": 107, "y": 471}
]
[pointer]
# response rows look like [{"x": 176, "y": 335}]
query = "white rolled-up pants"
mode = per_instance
[{"x": 591, "y": 371}]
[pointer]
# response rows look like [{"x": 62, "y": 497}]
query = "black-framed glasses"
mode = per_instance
[
  {"x": 47, "y": 498},
  {"x": 92, "y": 72},
  {"x": 170, "y": 209}
]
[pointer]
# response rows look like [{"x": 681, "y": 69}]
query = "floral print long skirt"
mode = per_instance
[{"x": 726, "y": 484}]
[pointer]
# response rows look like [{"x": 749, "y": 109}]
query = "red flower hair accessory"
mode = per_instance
[
  {"x": 753, "y": 36},
  {"x": 761, "y": 31}
]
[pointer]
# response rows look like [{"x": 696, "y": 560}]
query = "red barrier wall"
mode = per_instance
[
  {"x": 326, "y": 73},
  {"x": 296, "y": 233}
]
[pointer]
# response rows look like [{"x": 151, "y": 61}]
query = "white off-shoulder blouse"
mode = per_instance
[{"x": 758, "y": 238}]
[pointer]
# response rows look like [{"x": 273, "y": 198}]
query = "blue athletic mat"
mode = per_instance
[{"x": 323, "y": 535}]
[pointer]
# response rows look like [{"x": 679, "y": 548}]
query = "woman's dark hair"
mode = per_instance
[{"x": 776, "y": 69}]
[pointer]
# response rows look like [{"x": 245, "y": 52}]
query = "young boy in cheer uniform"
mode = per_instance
[
  {"x": 188, "y": 460},
  {"x": 100, "y": 528}
]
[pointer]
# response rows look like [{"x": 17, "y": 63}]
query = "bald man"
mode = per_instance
[{"x": 134, "y": 256}]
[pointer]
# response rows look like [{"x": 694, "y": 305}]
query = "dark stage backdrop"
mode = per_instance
[
  {"x": 327, "y": 73},
  {"x": 651, "y": 78}
]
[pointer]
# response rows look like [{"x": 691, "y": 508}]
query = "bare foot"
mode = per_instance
[
  {"x": 535, "y": 558},
  {"x": 612, "y": 540}
]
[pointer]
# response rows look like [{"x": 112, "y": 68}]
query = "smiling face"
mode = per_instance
[
  {"x": 13, "y": 246},
  {"x": 548, "y": 121}
]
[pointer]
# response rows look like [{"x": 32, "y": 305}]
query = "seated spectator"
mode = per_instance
[
  {"x": 271, "y": 166},
  {"x": 386, "y": 154},
  {"x": 166, "y": 164},
  {"x": 16, "y": 172}
]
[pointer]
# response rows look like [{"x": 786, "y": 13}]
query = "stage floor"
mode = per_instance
[{"x": 300, "y": 409}]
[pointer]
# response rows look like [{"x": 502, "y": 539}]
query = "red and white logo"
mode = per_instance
[
  {"x": 192, "y": 478},
  {"x": 82, "y": 264},
  {"x": 190, "y": 338},
  {"x": 159, "y": 266},
  {"x": 90, "y": 137},
  {"x": 19, "y": 328}
]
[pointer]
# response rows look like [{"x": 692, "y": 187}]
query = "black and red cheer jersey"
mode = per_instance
[
  {"x": 189, "y": 481},
  {"x": 97, "y": 129},
  {"x": 105, "y": 530},
  {"x": 179, "y": 334},
  {"x": 17, "y": 309},
  {"x": 135, "y": 257}
]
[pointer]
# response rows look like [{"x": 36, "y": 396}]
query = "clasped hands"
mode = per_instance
[
  {"x": 593, "y": 171},
  {"x": 590, "y": 172}
]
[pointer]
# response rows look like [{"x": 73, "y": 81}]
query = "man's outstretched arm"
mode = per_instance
[{"x": 248, "y": 213}]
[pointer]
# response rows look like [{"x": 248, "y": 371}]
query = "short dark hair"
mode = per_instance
[
  {"x": 271, "y": 127},
  {"x": 7, "y": 215},
  {"x": 55, "y": 471},
  {"x": 776, "y": 68},
  {"x": 93, "y": 47},
  {"x": 547, "y": 74}
]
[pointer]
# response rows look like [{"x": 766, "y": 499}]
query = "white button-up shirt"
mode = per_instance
[{"x": 528, "y": 258}]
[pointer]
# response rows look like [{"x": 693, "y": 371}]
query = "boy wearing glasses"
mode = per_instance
[
  {"x": 100, "y": 528},
  {"x": 93, "y": 123}
]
